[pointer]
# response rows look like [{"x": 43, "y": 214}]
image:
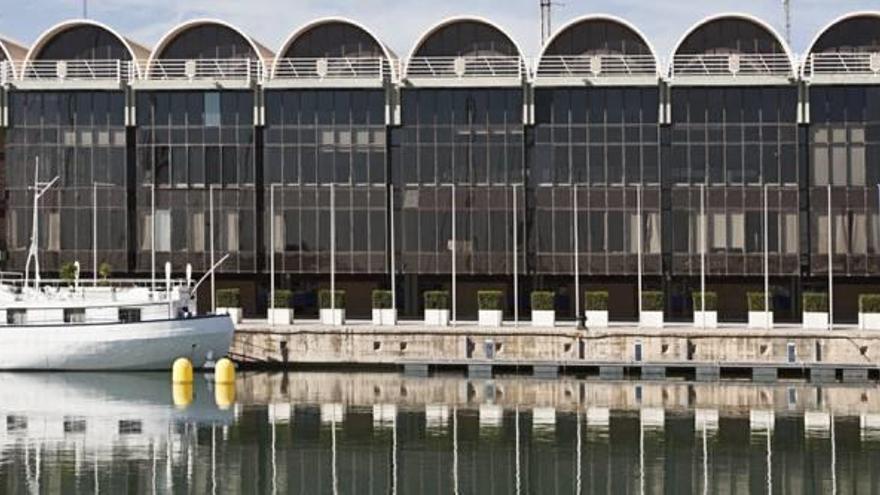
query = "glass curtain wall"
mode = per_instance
[
  {"x": 78, "y": 136},
  {"x": 188, "y": 143},
  {"x": 604, "y": 142},
  {"x": 845, "y": 153},
  {"x": 315, "y": 138},
  {"x": 472, "y": 138},
  {"x": 734, "y": 140}
]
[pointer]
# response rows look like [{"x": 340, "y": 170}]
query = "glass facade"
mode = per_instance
[
  {"x": 192, "y": 145},
  {"x": 315, "y": 140},
  {"x": 845, "y": 154},
  {"x": 455, "y": 159},
  {"x": 735, "y": 141},
  {"x": 592, "y": 148},
  {"x": 79, "y": 137},
  {"x": 474, "y": 139}
]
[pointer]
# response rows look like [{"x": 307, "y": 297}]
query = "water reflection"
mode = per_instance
[{"x": 386, "y": 433}]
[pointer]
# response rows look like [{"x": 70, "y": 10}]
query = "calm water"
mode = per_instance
[{"x": 385, "y": 433}]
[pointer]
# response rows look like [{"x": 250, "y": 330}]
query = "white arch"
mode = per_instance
[
  {"x": 260, "y": 51},
  {"x": 293, "y": 37},
  {"x": 827, "y": 27},
  {"x": 135, "y": 50},
  {"x": 456, "y": 19},
  {"x": 740, "y": 16},
  {"x": 600, "y": 18}
]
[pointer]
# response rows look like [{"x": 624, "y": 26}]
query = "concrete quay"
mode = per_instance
[{"x": 622, "y": 350}]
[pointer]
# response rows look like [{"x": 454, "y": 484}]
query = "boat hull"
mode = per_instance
[{"x": 144, "y": 345}]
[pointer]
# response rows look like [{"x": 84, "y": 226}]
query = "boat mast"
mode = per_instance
[{"x": 33, "y": 250}]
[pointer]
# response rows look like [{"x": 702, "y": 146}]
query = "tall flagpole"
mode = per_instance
[
  {"x": 703, "y": 255},
  {"x": 766, "y": 265},
  {"x": 272, "y": 252},
  {"x": 211, "y": 218},
  {"x": 454, "y": 249},
  {"x": 393, "y": 255},
  {"x": 577, "y": 265},
  {"x": 333, "y": 252},
  {"x": 515, "y": 262},
  {"x": 830, "y": 266},
  {"x": 639, "y": 246}
]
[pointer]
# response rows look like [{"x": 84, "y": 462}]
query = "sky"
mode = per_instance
[{"x": 399, "y": 23}]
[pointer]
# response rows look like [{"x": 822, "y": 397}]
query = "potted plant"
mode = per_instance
[
  {"x": 708, "y": 317},
  {"x": 652, "y": 309},
  {"x": 815, "y": 310},
  {"x": 490, "y": 304},
  {"x": 282, "y": 313},
  {"x": 229, "y": 303},
  {"x": 436, "y": 308},
  {"x": 596, "y": 313},
  {"x": 869, "y": 312},
  {"x": 332, "y": 308},
  {"x": 104, "y": 271},
  {"x": 383, "y": 310},
  {"x": 758, "y": 318},
  {"x": 68, "y": 273},
  {"x": 543, "y": 309}
]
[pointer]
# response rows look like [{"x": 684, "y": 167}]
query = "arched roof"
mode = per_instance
[
  {"x": 582, "y": 21},
  {"x": 314, "y": 26},
  {"x": 774, "y": 36},
  {"x": 463, "y": 20},
  {"x": 842, "y": 34},
  {"x": 10, "y": 50},
  {"x": 135, "y": 51},
  {"x": 167, "y": 40}
]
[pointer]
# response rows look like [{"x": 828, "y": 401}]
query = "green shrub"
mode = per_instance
[
  {"x": 596, "y": 300},
  {"x": 382, "y": 299},
  {"x": 436, "y": 299},
  {"x": 652, "y": 300},
  {"x": 711, "y": 301},
  {"x": 869, "y": 303},
  {"x": 68, "y": 272},
  {"x": 104, "y": 271},
  {"x": 338, "y": 301},
  {"x": 756, "y": 301},
  {"x": 283, "y": 298},
  {"x": 815, "y": 302},
  {"x": 543, "y": 301},
  {"x": 490, "y": 299},
  {"x": 228, "y": 298}
]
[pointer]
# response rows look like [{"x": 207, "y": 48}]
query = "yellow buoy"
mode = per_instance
[
  {"x": 224, "y": 372},
  {"x": 182, "y": 394},
  {"x": 182, "y": 371},
  {"x": 224, "y": 395}
]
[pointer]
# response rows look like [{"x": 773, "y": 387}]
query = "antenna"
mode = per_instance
[
  {"x": 547, "y": 18},
  {"x": 85, "y": 9},
  {"x": 786, "y": 5}
]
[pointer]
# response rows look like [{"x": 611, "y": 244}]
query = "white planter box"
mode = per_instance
[
  {"x": 707, "y": 319},
  {"x": 756, "y": 319},
  {"x": 280, "y": 316},
  {"x": 869, "y": 321},
  {"x": 652, "y": 319},
  {"x": 596, "y": 319},
  {"x": 543, "y": 318},
  {"x": 333, "y": 316},
  {"x": 491, "y": 317},
  {"x": 386, "y": 317},
  {"x": 815, "y": 319},
  {"x": 436, "y": 317},
  {"x": 234, "y": 314}
]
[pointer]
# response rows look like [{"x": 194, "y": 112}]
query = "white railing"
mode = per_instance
[
  {"x": 320, "y": 69},
  {"x": 71, "y": 70},
  {"x": 595, "y": 66},
  {"x": 732, "y": 65},
  {"x": 237, "y": 69},
  {"x": 849, "y": 63},
  {"x": 465, "y": 67}
]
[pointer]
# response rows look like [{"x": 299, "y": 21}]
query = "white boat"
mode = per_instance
[
  {"x": 114, "y": 325},
  {"x": 105, "y": 328}
]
